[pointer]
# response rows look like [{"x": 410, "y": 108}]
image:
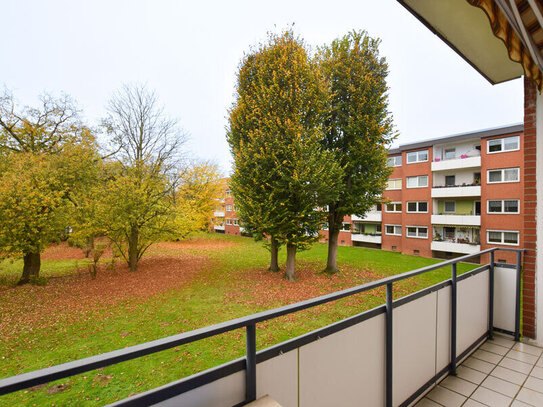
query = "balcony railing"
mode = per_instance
[
  {"x": 456, "y": 219},
  {"x": 459, "y": 162},
  {"x": 448, "y": 191},
  {"x": 390, "y": 355}
]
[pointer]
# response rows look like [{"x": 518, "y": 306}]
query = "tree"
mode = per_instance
[
  {"x": 45, "y": 154},
  {"x": 199, "y": 188},
  {"x": 358, "y": 128},
  {"x": 139, "y": 198},
  {"x": 281, "y": 175}
]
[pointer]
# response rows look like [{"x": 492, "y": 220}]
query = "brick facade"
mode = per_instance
[{"x": 530, "y": 201}]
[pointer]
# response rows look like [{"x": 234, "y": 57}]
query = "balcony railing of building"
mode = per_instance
[{"x": 389, "y": 355}]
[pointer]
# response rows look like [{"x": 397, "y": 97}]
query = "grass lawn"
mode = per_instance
[{"x": 180, "y": 286}]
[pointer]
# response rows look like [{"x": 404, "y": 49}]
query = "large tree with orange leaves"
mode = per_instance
[{"x": 281, "y": 173}]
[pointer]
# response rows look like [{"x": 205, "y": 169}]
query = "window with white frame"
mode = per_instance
[
  {"x": 420, "y": 232},
  {"x": 228, "y": 193},
  {"x": 235, "y": 222},
  {"x": 394, "y": 183},
  {"x": 503, "y": 206},
  {"x": 228, "y": 221},
  {"x": 395, "y": 161},
  {"x": 503, "y": 175},
  {"x": 500, "y": 145},
  {"x": 346, "y": 226},
  {"x": 393, "y": 230},
  {"x": 449, "y": 153},
  {"x": 506, "y": 237},
  {"x": 420, "y": 181},
  {"x": 449, "y": 206},
  {"x": 417, "y": 207},
  {"x": 393, "y": 207},
  {"x": 417, "y": 157},
  {"x": 228, "y": 208}
]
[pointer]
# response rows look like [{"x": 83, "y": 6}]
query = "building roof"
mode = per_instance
[{"x": 494, "y": 131}]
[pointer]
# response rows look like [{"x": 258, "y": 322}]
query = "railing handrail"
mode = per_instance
[{"x": 25, "y": 380}]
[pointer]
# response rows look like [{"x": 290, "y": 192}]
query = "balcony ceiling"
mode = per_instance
[{"x": 501, "y": 39}]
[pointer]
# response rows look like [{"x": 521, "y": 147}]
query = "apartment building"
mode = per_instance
[
  {"x": 451, "y": 196},
  {"x": 224, "y": 218},
  {"x": 446, "y": 197}
]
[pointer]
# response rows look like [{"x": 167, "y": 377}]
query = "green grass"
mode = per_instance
[
  {"x": 205, "y": 301},
  {"x": 10, "y": 269}
]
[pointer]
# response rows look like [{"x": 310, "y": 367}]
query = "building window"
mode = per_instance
[
  {"x": 378, "y": 229},
  {"x": 228, "y": 192},
  {"x": 420, "y": 181},
  {"x": 449, "y": 206},
  {"x": 450, "y": 153},
  {"x": 450, "y": 180},
  {"x": 503, "y": 175},
  {"x": 228, "y": 208},
  {"x": 503, "y": 144},
  {"x": 505, "y": 237},
  {"x": 394, "y": 184},
  {"x": 235, "y": 222},
  {"x": 378, "y": 207},
  {"x": 393, "y": 207},
  {"x": 395, "y": 161},
  {"x": 393, "y": 230},
  {"x": 346, "y": 226},
  {"x": 417, "y": 156},
  {"x": 503, "y": 206},
  {"x": 420, "y": 232},
  {"x": 414, "y": 207},
  {"x": 228, "y": 221}
]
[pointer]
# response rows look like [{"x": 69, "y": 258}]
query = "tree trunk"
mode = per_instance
[
  {"x": 31, "y": 267},
  {"x": 90, "y": 246},
  {"x": 133, "y": 249},
  {"x": 274, "y": 249},
  {"x": 333, "y": 236},
  {"x": 291, "y": 261}
]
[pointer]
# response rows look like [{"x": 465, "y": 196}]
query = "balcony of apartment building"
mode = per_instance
[
  {"x": 457, "y": 212},
  {"x": 459, "y": 183},
  {"x": 366, "y": 232},
  {"x": 374, "y": 215},
  {"x": 453, "y": 157},
  {"x": 465, "y": 239},
  {"x": 391, "y": 355}
]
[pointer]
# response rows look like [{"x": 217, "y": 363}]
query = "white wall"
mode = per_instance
[
  {"x": 466, "y": 147},
  {"x": 462, "y": 176}
]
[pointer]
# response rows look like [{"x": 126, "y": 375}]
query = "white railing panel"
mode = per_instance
[
  {"x": 443, "y": 352},
  {"x": 346, "y": 368},
  {"x": 472, "y": 308},
  {"x": 414, "y": 344},
  {"x": 225, "y": 392},
  {"x": 278, "y": 378},
  {"x": 505, "y": 285}
]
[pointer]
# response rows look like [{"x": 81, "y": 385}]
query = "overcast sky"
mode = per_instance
[{"x": 189, "y": 53}]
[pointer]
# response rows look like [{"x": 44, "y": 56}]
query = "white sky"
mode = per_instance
[{"x": 189, "y": 53}]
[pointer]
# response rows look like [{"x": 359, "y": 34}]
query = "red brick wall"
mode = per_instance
[
  {"x": 530, "y": 199},
  {"x": 344, "y": 238},
  {"x": 514, "y": 190},
  {"x": 230, "y": 229},
  {"x": 388, "y": 241},
  {"x": 410, "y": 244}
]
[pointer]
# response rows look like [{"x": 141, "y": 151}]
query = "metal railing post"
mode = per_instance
[
  {"x": 250, "y": 372},
  {"x": 453, "y": 320},
  {"x": 388, "y": 348},
  {"x": 491, "y": 297},
  {"x": 517, "y": 299}
]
